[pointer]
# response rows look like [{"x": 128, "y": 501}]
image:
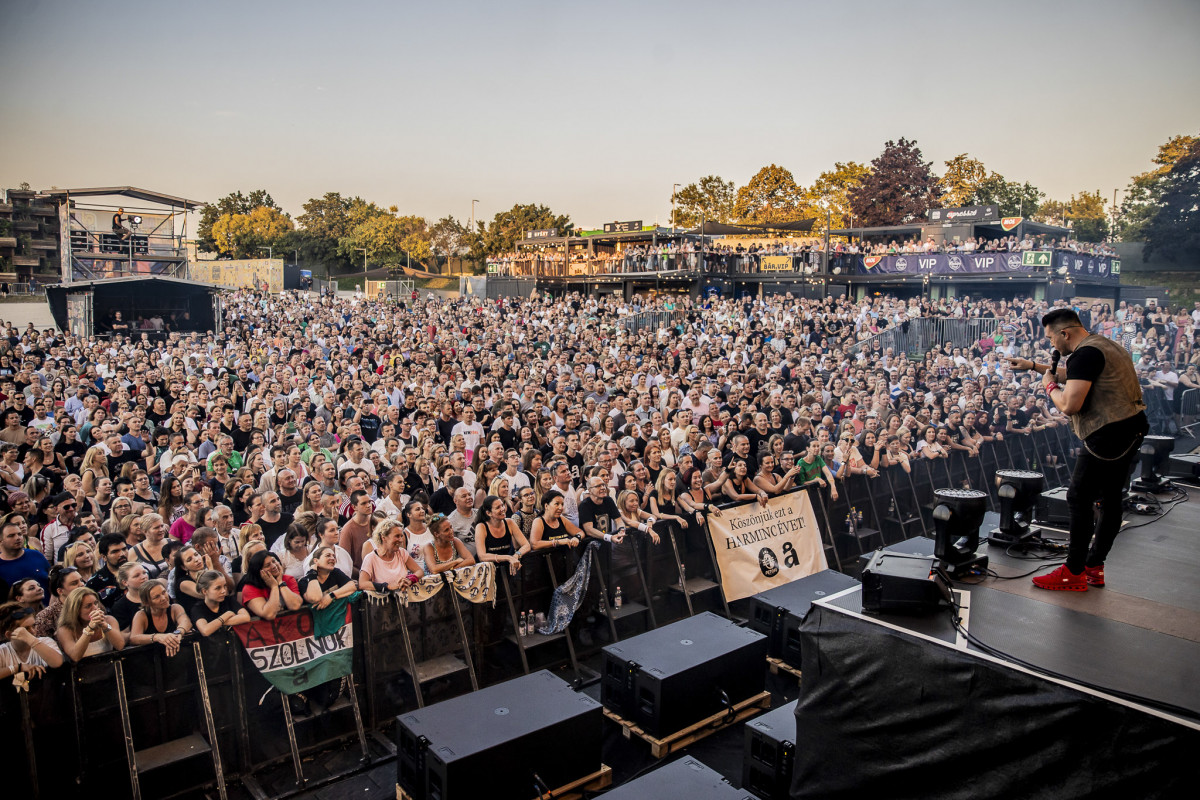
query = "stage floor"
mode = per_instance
[{"x": 1140, "y": 635}]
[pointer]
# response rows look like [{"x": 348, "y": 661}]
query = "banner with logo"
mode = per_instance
[
  {"x": 775, "y": 264},
  {"x": 760, "y": 547},
  {"x": 1078, "y": 265},
  {"x": 966, "y": 213},
  {"x": 297, "y": 651}
]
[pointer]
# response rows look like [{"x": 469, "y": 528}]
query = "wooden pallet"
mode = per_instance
[
  {"x": 600, "y": 779},
  {"x": 660, "y": 748},
  {"x": 777, "y": 666}
]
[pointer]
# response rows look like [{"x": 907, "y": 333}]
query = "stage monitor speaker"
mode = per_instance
[
  {"x": 1184, "y": 467},
  {"x": 1052, "y": 508},
  {"x": 778, "y": 612},
  {"x": 894, "y": 583},
  {"x": 684, "y": 779},
  {"x": 666, "y": 679},
  {"x": 770, "y": 750},
  {"x": 490, "y": 743}
]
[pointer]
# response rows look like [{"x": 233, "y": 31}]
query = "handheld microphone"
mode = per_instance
[{"x": 1054, "y": 357}]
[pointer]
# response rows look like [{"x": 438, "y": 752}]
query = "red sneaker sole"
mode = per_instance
[
  {"x": 1095, "y": 583},
  {"x": 1074, "y": 588}
]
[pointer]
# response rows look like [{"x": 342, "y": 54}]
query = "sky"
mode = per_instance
[{"x": 594, "y": 110}]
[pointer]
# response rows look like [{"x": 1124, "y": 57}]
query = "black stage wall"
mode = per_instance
[{"x": 885, "y": 713}]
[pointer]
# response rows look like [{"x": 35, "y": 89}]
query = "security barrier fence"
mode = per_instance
[
  {"x": 918, "y": 336},
  {"x": 206, "y": 717}
]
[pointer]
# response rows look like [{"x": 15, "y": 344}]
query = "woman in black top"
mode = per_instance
[
  {"x": 217, "y": 609},
  {"x": 130, "y": 577},
  {"x": 498, "y": 538},
  {"x": 325, "y": 583},
  {"x": 552, "y": 529},
  {"x": 159, "y": 621}
]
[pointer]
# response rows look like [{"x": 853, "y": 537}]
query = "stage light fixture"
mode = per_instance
[
  {"x": 1154, "y": 454},
  {"x": 137, "y": 220},
  {"x": 956, "y": 520},
  {"x": 1019, "y": 491}
]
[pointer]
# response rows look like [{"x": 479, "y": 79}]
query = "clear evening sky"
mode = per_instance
[{"x": 594, "y": 109}]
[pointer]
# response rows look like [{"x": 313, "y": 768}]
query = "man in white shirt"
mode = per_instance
[
  {"x": 517, "y": 480},
  {"x": 471, "y": 430}
]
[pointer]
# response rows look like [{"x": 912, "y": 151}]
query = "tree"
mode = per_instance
[
  {"x": 1013, "y": 199},
  {"x": 832, "y": 190},
  {"x": 230, "y": 204},
  {"x": 508, "y": 227},
  {"x": 1173, "y": 231},
  {"x": 387, "y": 238},
  {"x": 449, "y": 238},
  {"x": 243, "y": 235},
  {"x": 962, "y": 179},
  {"x": 711, "y": 198},
  {"x": 900, "y": 188},
  {"x": 771, "y": 196},
  {"x": 1140, "y": 202},
  {"x": 1084, "y": 214}
]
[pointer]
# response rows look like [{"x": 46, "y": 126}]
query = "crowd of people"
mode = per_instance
[
  {"x": 323, "y": 444},
  {"x": 735, "y": 255}
]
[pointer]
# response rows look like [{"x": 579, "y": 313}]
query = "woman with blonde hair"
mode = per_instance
[
  {"x": 81, "y": 556},
  {"x": 389, "y": 564},
  {"x": 93, "y": 467},
  {"x": 500, "y": 487},
  {"x": 83, "y": 627}
]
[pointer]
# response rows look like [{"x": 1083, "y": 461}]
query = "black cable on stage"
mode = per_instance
[{"x": 1159, "y": 705}]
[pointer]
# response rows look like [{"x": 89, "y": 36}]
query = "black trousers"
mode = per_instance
[{"x": 1098, "y": 479}]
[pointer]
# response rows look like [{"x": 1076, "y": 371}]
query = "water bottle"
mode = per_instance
[
  {"x": 617, "y": 599},
  {"x": 524, "y": 631},
  {"x": 530, "y": 627}
]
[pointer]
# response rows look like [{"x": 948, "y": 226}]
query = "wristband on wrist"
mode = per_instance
[
  {"x": 608, "y": 537},
  {"x": 1050, "y": 387}
]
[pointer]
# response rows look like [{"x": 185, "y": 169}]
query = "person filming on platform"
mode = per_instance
[
  {"x": 1103, "y": 401},
  {"x": 118, "y": 224}
]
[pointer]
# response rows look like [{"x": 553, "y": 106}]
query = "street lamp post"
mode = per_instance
[
  {"x": 270, "y": 252},
  {"x": 674, "y": 188},
  {"x": 364, "y": 252}
]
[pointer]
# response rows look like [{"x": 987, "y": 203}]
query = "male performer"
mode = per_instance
[{"x": 1103, "y": 401}]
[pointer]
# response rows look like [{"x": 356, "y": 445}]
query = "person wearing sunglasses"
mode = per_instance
[{"x": 58, "y": 531}]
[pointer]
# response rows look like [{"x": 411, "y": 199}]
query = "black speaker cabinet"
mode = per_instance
[
  {"x": 770, "y": 750},
  {"x": 490, "y": 743},
  {"x": 778, "y": 612},
  {"x": 666, "y": 679},
  {"x": 1052, "y": 508},
  {"x": 684, "y": 779}
]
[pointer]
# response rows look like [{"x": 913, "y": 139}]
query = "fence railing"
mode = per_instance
[
  {"x": 25, "y": 289},
  {"x": 649, "y": 320},
  {"x": 918, "y": 336},
  {"x": 79, "y": 725}
]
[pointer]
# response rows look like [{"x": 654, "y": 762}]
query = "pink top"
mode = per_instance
[{"x": 382, "y": 570}]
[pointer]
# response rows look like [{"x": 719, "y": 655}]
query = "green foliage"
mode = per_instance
[
  {"x": 448, "y": 237},
  {"x": 245, "y": 235},
  {"x": 1014, "y": 199},
  {"x": 1084, "y": 214},
  {"x": 230, "y": 204},
  {"x": 832, "y": 190},
  {"x": 771, "y": 196},
  {"x": 508, "y": 227},
  {"x": 1173, "y": 231},
  {"x": 899, "y": 189},
  {"x": 711, "y": 199},
  {"x": 962, "y": 179},
  {"x": 1141, "y": 198}
]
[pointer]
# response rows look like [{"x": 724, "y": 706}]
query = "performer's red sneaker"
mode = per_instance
[
  {"x": 1094, "y": 575},
  {"x": 1062, "y": 580}
]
